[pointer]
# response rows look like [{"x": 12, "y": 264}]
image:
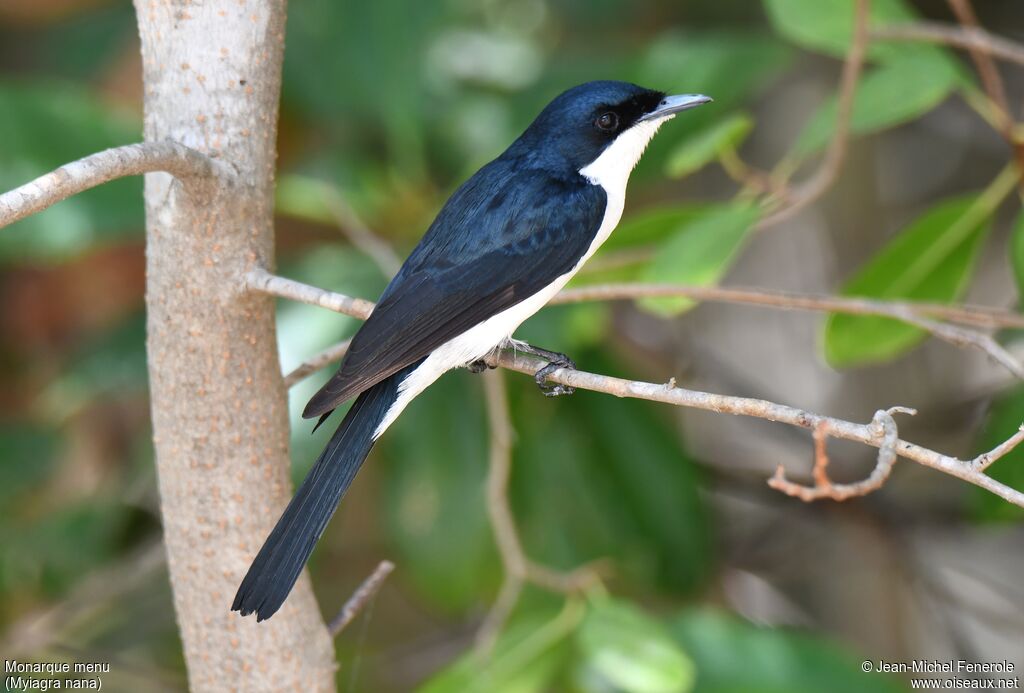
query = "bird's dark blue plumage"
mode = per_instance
[
  {"x": 504, "y": 235},
  {"x": 505, "y": 242}
]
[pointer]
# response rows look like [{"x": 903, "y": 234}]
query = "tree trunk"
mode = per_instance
[{"x": 212, "y": 74}]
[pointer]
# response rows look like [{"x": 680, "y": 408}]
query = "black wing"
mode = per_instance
[{"x": 502, "y": 237}]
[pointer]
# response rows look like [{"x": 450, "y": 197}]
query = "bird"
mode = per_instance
[{"x": 505, "y": 242}]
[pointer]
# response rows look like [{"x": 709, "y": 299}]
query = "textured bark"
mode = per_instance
[{"x": 212, "y": 76}]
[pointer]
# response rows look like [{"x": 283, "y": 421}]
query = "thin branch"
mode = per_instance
[
  {"x": 695, "y": 399},
  {"x": 360, "y": 235},
  {"x": 976, "y": 316},
  {"x": 513, "y": 559},
  {"x": 958, "y": 37},
  {"x": 985, "y": 65},
  {"x": 958, "y": 336},
  {"x": 519, "y": 569},
  {"x": 497, "y": 615},
  {"x": 751, "y": 177},
  {"x": 814, "y": 187},
  {"x": 188, "y": 165},
  {"x": 312, "y": 365},
  {"x": 992, "y": 84},
  {"x": 360, "y": 598}
]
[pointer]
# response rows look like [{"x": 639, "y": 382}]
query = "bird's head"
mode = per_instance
[{"x": 600, "y": 129}]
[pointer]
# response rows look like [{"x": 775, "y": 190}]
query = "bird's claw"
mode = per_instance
[{"x": 558, "y": 361}]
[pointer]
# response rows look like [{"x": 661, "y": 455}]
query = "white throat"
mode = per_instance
[
  {"x": 611, "y": 171},
  {"x": 612, "y": 168}
]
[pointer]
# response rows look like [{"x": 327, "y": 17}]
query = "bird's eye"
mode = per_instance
[{"x": 607, "y": 121}]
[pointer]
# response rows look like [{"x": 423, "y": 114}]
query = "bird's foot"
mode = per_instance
[
  {"x": 555, "y": 361},
  {"x": 557, "y": 389}
]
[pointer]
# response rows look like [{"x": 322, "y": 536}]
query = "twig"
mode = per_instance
[
  {"x": 352, "y": 225},
  {"x": 977, "y": 316},
  {"x": 724, "y": 404},
  {"x": 823, "y": 486},
  {"x": 991, "y": 81},
  {"x": 312, "y": 365},
  {"x": 820, "y": 436},
  {"x": 513, "y": 559},
  {"x": 752, "y": 177},
  {"x": 985, "y": 460},
  {"x": 363, "y": 594},
  {"x": 958, "y": 336},
  {"x": 984, "y": 64},
  {"x": 519, "y": 569},
  {"x": 958, "y": 37},
  {"x": 814, "y": 187},
  {"x": 183, "y": 163}
]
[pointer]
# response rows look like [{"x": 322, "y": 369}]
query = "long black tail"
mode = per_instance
[{"x": 277, "y": 566}]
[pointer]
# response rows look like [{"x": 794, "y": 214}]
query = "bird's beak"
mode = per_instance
[{"x": 671, "y": 105}]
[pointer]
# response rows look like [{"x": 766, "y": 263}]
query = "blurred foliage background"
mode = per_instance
[{"x": 718, "y": 583}]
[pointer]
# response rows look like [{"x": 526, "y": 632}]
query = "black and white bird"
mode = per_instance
[{"x": 505, "y": 242}]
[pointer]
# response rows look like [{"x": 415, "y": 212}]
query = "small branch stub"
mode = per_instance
[
  {"x": 360, "y": 598},
  {"x": 264, "y": 282},
  {"x": 985, "y": 460}
]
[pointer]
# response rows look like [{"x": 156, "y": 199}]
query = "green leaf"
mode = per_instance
[
  {"x": 1005, "y": 416},
  {"x": 1017, "y": 254},
  {"x": 894, "y": 93},
  {"x": 632, "y": 652},
  {"x": 699, "y": 253},
  {"x": 704, "y": 146},
  {"x": 46, "y": 126},
  {"x": 931, "y": 260},
  {"x": 525, "y": 659},
  {"x": 642, "y": 470},
  {"x": 601, "y": 478},
  {"x": 826, "y": 26},
  {"x": 732, "y": 656}
]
